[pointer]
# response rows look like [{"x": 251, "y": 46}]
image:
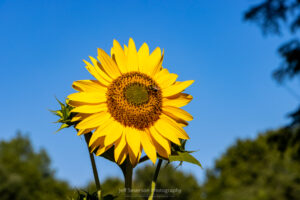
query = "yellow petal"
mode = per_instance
[
  {"x": 125, "y": 50},
  {"x": 178, "y": 112},
  {"x": 120, "y": 57},
  {"x": 164, "y": 128},
  {"x": 177, "y": 100},
  {"x": 165, "y": 79},
  {"x": 160, "y": 150},
  {"x": 148, "y": 146},
  {"x": 123, "y": 156},
  {"x": 102, "y": 130},
  {"x": 77, "y": 103},
  {"x": 93, "y": 121},
  {"x": 95, "y": 73},
  {"x": 115, "y": 134},
  {"x": 108, "y": 64},
  {"x": 100, "y": 70},
  {"x": 177, "y": 120},
  {"x": 79, "y": 116},
  {"x": 101, "y": 150},
  {"x": 163, "y": 142},
  {"x": 90, "y": 108},
  {"x": 177, "y": 128},
  {"x": 89, "y": 86},
  {"x": 84, "y": 131},
  {"x": 143, "y": 55},
  {"x": 133, "y": 138},
  {"x": 134, "y": 158},
  {"x": 119, "y": 147},
  {"x": 158, "y": 67},
  {"x": 132, "y": 57},
  {"x": 152, "y": 61},
  {"x": 176, "y": 88},
  {"x": 98, "y": 143},
  {"x": 89, "y": 97}
]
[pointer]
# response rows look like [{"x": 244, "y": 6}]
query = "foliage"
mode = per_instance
[
  {"x": 109, "y": 186},
  {"x": 266, "y": 168},
  {"x": 272, "y": 16},
  {"x": 171, "y": 184},
  {"x": 26, "y": 174}
]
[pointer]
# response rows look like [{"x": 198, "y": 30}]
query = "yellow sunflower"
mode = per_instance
[{"x": 133, "y": 105}]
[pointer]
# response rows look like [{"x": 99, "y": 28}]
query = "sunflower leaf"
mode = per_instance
[{"x": 184, "y": 157}]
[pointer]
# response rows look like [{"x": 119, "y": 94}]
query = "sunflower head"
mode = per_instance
[{"x": 132, "y": 105}]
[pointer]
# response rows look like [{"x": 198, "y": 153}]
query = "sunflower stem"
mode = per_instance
[
  {"x": 94, "y": 167},
  {"x": 153, "y": 183},
  {"x": 128, "y": 179}
]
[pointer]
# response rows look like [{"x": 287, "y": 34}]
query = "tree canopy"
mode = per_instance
[
  {"x": 26, "y": 174},
  {"x": 265, "y": 168}
]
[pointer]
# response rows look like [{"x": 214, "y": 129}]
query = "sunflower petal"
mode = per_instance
[
  {"x": 88, "y": 86},
  {"x": 119, "y": 147},
  {"x": 122, "y": 156},
  {"x": 90, "y": 108},
  {"x": 158, "y": 66},
  {"x": 102, "y": 130},
  {"x": 165, "y": 79},
  {"x": 132, "y": 62},
  {"x": 177, "y": 100},
  {"x": 176, "y": 88},
  {"x": 120, "y": 57},
  {"x": 148, "y": 146},
  {"x": 143, "y": 55},
  {"x": 151, "y": 61},
  {"x": 133, "y": 138},
  {"x": 84, "y": 131},
  {"x": 89, "y": 97},
  {"x": 175, "y": 127},
  {"x": 115, "y": 134},
  {"x": 93, "y": 120},
  {"x": 101, "y": 150},
  {"x": 163, "y": 142},
  {"x": 178, "y": 112},
  {"x": 167, "y": 130},
  {"x": 160, "y": 150},
  {"x": 95, "y": 73},
  {"x": 108, "y": 64}
]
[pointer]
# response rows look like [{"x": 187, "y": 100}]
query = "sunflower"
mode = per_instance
[{"x": 133, "y": 105}]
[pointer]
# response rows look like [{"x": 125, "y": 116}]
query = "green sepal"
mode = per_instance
[{"x": 65, "y": 115}]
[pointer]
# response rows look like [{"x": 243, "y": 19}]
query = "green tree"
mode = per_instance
[
  {"x": 171, "y": 184},
  {"x": 26, "y": 174},
  {"x": 266, "y": 168}
]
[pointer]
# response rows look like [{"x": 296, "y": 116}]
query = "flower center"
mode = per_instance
[
  {"x": 136, "y": 94},
  {"x": 134, "y": 99}
]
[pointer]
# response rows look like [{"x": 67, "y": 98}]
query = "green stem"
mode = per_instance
[
  {"x": 153, "y": 183},
  {"x": 128, "y": 179},
  {"x": 95, "y": 172}
]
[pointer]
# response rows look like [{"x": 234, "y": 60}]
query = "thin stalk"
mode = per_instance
[
  {"x": 153, "y": 183},
  {"x": 128, "y": 179},
  {"x": 95, "y": 172}
]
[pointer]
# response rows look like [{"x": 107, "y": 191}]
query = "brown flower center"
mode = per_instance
[{"x": 134, "y": 99}]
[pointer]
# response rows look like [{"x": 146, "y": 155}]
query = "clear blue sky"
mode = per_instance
[{"x": 42, "y": 44}]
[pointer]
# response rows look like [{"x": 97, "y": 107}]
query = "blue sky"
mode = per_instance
[{"x": 43, "y": 43}]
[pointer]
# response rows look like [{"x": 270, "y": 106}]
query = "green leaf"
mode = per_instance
[{"x": 184, "y": 157}]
